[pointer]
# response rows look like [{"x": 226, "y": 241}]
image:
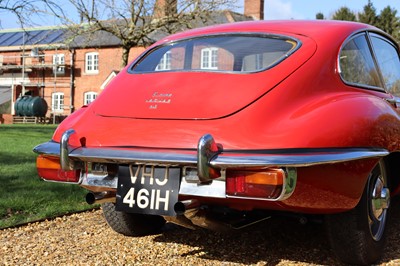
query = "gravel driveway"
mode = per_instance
[{"x": 85, "y": 238}]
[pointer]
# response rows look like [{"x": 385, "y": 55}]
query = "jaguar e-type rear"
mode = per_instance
[{"x": 221, "y": 126}]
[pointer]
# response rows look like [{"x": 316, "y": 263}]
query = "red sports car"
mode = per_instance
[{"x": 222, "y": 126}]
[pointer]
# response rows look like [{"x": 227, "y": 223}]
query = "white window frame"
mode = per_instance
[
  {"x": 259, "y": 62},
  {"x": 59, "y": 62},
  {"x": 209, "y": 58},
  {"x": 57, "y": 102},
  {"x": 89, "y": 97},
  {"x": 165, "y": 62},
  {"x": 92, "y": 63}
]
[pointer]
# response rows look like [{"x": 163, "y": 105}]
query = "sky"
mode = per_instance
[
  {"x": 307, "y": 9},
  {"x": 274, "y": 9}
]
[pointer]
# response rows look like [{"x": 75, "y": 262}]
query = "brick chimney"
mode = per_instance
[
  {"x": 254, "y": 9},
  {"x": 163, "y": 8}
]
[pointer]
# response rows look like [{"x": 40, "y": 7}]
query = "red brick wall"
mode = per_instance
[
  {"x": 110, "y": 59},
  {"x": 6, "y": 119},
  {"x": 254, "y": 9},
  {"x": 43, "y": 82}
]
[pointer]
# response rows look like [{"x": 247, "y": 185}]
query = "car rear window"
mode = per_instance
[{"x": 233, "y": 53}]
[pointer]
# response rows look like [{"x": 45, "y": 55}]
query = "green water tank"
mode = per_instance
[
  {"x": 18, "y": 105},
  {"x": 30, "y": 106}
]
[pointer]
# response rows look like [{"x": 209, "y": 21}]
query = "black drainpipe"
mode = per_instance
[{"x": 72, "y": 81}]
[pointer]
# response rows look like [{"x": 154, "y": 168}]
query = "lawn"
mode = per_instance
[{"x": 23, "y": 196}]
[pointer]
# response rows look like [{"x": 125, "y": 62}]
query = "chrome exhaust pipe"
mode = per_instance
[
  {"x": 187, "y": 206},
  {"x": 100, "y": 197}
]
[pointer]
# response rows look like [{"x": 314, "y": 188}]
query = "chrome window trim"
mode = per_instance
[
  {"x": 390, "y": 42},
  {"x": 367, "y": 33},
  {"x": 130, "y": 69},
  {"x": 355, "y": 35}
]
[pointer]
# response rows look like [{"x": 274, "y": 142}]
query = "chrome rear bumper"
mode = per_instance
[
  {"x": 208, "y": 155},
  {"x": 225, "y": 159}
]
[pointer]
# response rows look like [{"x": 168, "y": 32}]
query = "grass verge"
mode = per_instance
[{"x": 23, "y": 196}]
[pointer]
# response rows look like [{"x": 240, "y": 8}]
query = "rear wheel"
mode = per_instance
[
  {"x": 359, "y": 236},
  {"x": 131, "y": 224}
]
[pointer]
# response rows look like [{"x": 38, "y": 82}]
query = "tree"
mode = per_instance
[
  {"x": 386, "y": 20},
  {"x": 319, "y": 15},
  {"x": 344, "y": 13},
  {"x": 133, "y": 21},
  {"x": 368, "y": 15},
  {"x": 16, "y": 7},
  {"x": 389, "y": 22}
]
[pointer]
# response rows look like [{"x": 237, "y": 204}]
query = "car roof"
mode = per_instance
[{"x": 315, "y": 29}]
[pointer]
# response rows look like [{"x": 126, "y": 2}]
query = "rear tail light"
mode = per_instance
[
  {"x": 49, "y": 168},
  {"x": 267, "y": 184}
]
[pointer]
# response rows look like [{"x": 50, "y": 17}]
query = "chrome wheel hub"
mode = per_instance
[{"x": 379, "y": 201}]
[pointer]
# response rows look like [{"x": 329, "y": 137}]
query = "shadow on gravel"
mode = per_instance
[{"x": 272, "y": 242}]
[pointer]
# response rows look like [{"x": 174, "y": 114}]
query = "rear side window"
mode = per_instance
[
  {"x": 388, "y": 61},
  {"x": 356, "y": 63},
  {"x": 232, "y": 53}
]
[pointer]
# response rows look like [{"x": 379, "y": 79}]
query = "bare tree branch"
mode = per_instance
[
  {"x": 131, "y": 21},
  {"x": 17, "y": 8}
]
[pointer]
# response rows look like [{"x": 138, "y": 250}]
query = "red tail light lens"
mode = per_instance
[
  {"x": 49, "y": 169},
  {"x": 255, "y": 184}
]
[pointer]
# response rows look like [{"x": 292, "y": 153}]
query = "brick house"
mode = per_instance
[{"x": 37, "y": 63}]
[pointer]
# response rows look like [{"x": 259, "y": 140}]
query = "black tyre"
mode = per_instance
[
  {"x": 359, "y": 236},
  {"x": 131, "y": 224}
]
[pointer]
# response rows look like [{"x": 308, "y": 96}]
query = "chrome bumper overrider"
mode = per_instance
[{"x": 208, "y": 155}]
